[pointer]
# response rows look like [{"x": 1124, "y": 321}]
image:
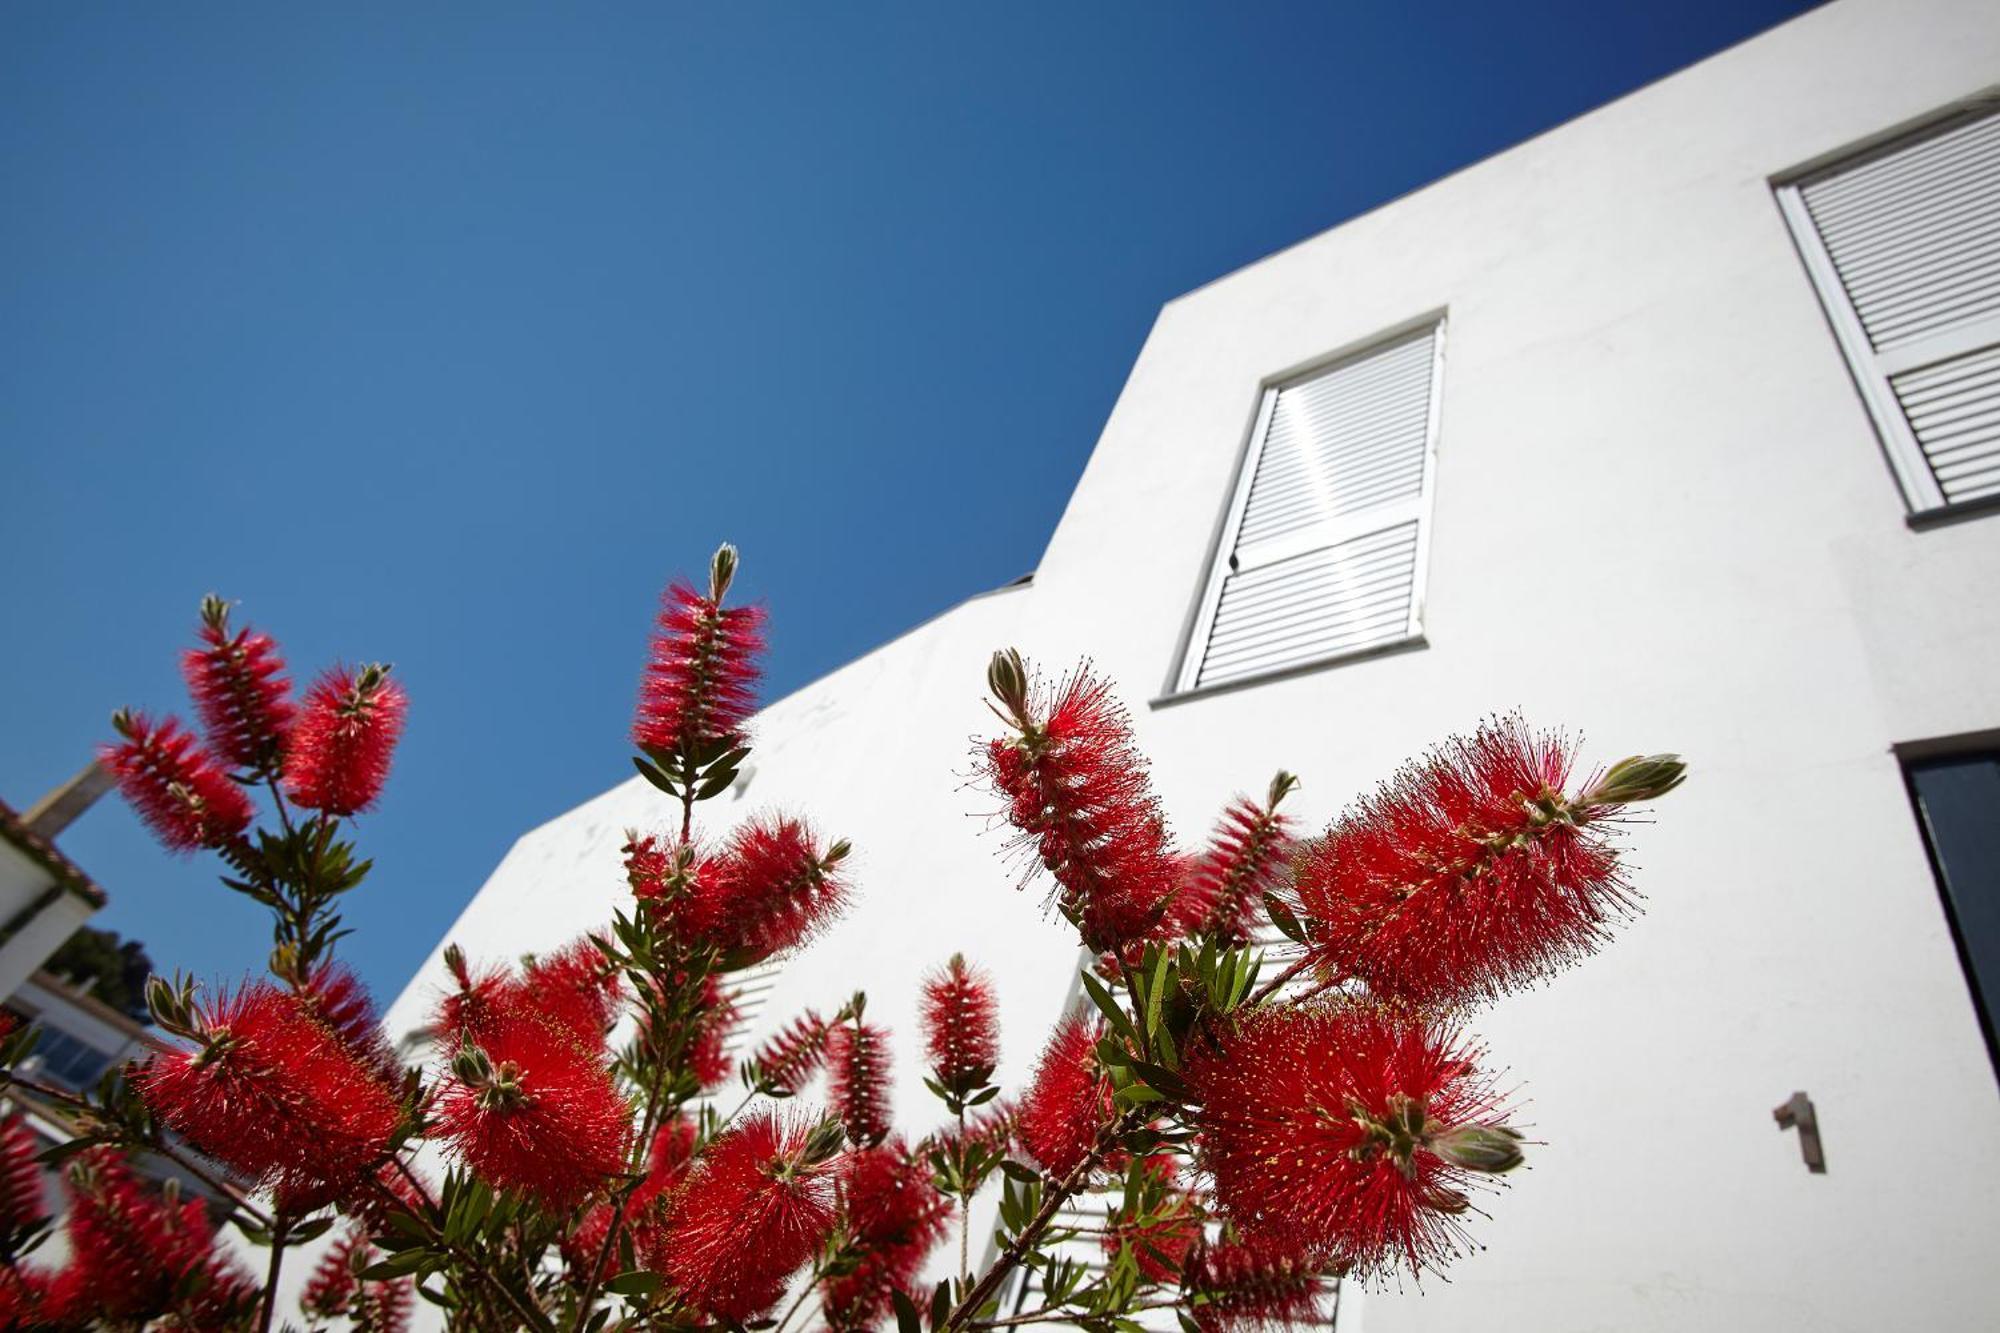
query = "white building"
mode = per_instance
[{"x": 1672, "y": 425}]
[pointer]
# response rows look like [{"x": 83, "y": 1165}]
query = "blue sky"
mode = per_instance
[{"x": 444, "y": 334}]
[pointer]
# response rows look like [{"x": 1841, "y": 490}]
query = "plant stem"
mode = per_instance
[
  {"x": 279, "y": 1230},
  {"x": 533, "y": 1314},
  {"x": 964, "y": 1215},
  {"x": 1279, "y": 980},
  {"x": 1054, "y": 1198},
  {"x": 1051, "y": 1312},
  {"x": 812, "y": 1285}
]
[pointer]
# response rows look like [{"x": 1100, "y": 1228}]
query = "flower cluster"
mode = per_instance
[{"x": 701, "y": 684}]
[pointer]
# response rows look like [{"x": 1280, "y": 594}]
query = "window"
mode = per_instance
[
  {"x": 1958, "y": 804},
  {"x": 1903, "y": 242},
  {"x": 1322, "y": 551}
]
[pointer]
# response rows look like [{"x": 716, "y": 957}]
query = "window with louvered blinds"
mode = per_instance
[
  {"x": 1903, "y": 242},
  {"x": 1322, "y": 553}
]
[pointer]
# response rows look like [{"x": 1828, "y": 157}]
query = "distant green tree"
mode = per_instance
[{"x": 111, "y": 969}]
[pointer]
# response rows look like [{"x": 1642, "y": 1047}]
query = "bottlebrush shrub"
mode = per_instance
[{"x": 1255, "y": 1122}]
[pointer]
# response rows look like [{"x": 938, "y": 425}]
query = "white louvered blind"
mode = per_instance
[
  {"x": 1322, "y": 554},
  {"x": 750, "y": 990},
  {"x": 1904, "y": 245}
]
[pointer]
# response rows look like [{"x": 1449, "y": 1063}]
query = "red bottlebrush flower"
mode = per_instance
[
  {"x": 708, "y": 1055},
  {"x": 961, "y": 1022},
  {"x": 757, "y": 1205},
  {"x": 576, "y": 989},
  {"x": 21, "y": 1202},
  {"x": 1077, "y": 789},
  {"x": 771, "y": 890},
  {"x": 344, "y": 739},
  {"x": 991, "y": 1127},
  {"x": 1163, "y": 1226},
  {"x": 24, "y": 1296},
  {"x": 384, "y": 1307},
  {"x": 701, "y": 685},
  {"x": 1068, "y": 1101},
  {"x": 529, "y": 1109},
  {"x": 1254, "y": 1284},
  {"x": 1248, "y": 856},
  {"x": 274, "y": 1093},
  {"x": 187, "y": 800},
  {"x": 787, "y": 1061},
  {"x": 1347, "y": 1133},
  {"x": 647, "y": 865},
  {"x": 239, "y": 688},
  {"x": 667, "y": 1163},
  {"x": 896, "y": 1218},
  {"x": 338, "y": 999},
  {"x": 135, "y": 1255},
  {"x": 857, "y": 1066},
  {"x": 1470, "y": 873},
  {"x": 334, "y": 1284},
  {"x": 470, "y": 1011}
]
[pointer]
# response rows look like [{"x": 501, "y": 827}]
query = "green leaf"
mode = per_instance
[
  {"x": 1156, "y": 992},
  {"x": 655, "y": 776},
  {"x": 907, "y": 1320},
  {"x": 1015, "y": 1171},
  {"x": 1110, "y": 1008},
  {"x": 941, "y": 1304},
  {"x": 636, "y": 1283},
  {"x": 1281, "y": 917}
]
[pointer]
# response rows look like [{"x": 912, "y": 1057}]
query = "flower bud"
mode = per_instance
[
  {"x": 1494, "y": 1149},
  {"x": 1640, "y": 778},
  {"x": 1283, "y": 785},
  {"x": 472, "y": 1066},
  {"x": 721, "y": 571},
  {"x": 1007, "y": 677}
]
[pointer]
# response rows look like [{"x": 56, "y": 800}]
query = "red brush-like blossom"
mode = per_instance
[
  {"x": 385, "y": 1307},
  {"x": 961, "y": 1023},
  {"x": 789, "y": 1059},
  {"x": 1470, "y": 873},
  {"x": 644, "y": 1216},
  {"x": 708, "y": 1055},
  {"x": 134, "y": 1255},
  {"x": 24, "y": 1296},
  {"x": 181, "y": 793},
  {"x": 272, "y": 1091},
  {"x": 1248, "y": 856},
  {"x": 896, "y": 1218},
  {"x": 700, "y": 686},
  {"x": 770, "y": 890},
  {"x": 1159, "y": 1233},
  {"x": 338, "y": 999},
  {"x": 1347, "y": 1133},
  {"x": 21, "y": 1202},
  {"x": 1068, "y": 1101},
  {"x": 1077, "y": 789},
  {"x": 334, "y": 1283},
  {"x": 648, "y": 865},
  {"x": 529, "y": 1109},
  {"x": 857, "y": 1067},
  {"x": 469, "y": 1011},
  {"x": 238, "y": 684},
  {"x": 1253, "y": 1284},
  {"x": 757, "y": 1205},
  {"x": 576, "y": 990},
  {"x": 344, "y": 739}
]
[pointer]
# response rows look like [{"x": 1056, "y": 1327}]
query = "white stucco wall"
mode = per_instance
[{"x": 1661, "y": 517}]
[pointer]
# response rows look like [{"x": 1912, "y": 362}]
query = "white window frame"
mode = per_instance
[
  {"x": 1224, "y": 559},
  {"x": 1872, "y": 370}
]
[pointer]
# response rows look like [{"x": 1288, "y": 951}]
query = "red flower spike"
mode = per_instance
[
  {"x": 21, "y": 1201},
  {"x": 469, "y": 1012},
  {"x": 961, "y": 1023},
  {"x": 272, "y": 1092},
  {"x": 1068, "y": 1101},
  {"x": 1248, "y": 856},
  {"x": 708, "y": 1056},
  {"x": 333, "y": 1285},
  {"x": 1347, "y": 1133},
  {"x": 240, "y": 691},
  {"x": 529, "y": 1109},
  {"x": 575, "y": 989},
  {"x": 788, "y": 1060},
  {"x": 1159, "y": 1243},
  {"x": 757, "y": 1205},
  {"x": 1468, "y": 875},
  {"x": 857, "y": 1066},
  {"x": 187, "y": 800},
  {"x": 647, "y": 866},
  {"x": 700, "y": 686},
  {"x": 896, "y": 1218},
  {"x": 385, "y": 1307},
  {"x": 339, "y": 1000},
  {"x": 1077, "y": 790},
  {"x": 770, "y": 890},
  {"x": 344, "y": 739},
  {"x": 1256, "y": 1285},
  {"x": 135, "y": 1255}
]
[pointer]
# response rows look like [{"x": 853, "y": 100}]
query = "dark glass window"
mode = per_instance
[{"x": 1958, "y": 803}]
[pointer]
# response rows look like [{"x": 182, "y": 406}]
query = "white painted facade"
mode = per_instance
[{"x": 1660, "y": 514}]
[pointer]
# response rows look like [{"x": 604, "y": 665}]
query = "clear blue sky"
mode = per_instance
[{"x": 444, "y": 334}]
